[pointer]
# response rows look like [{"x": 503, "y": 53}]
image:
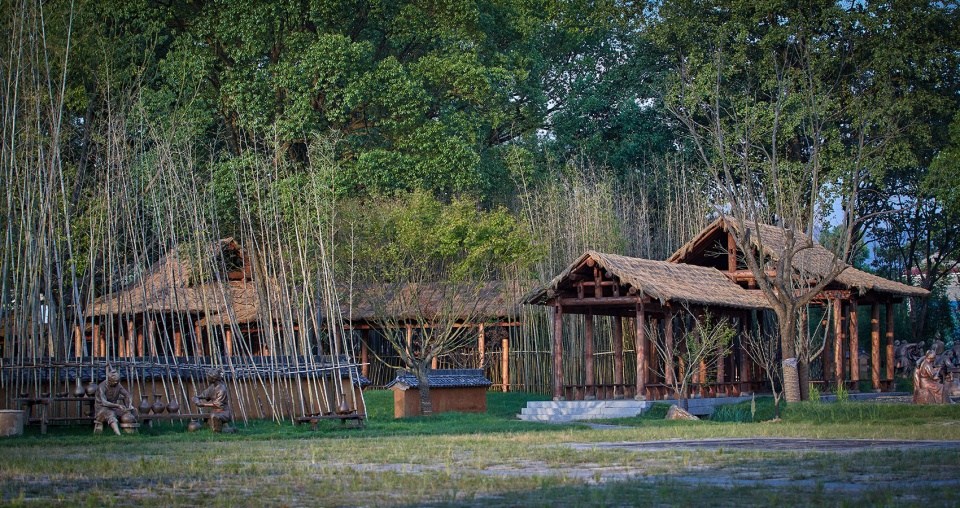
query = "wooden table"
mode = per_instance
[
  {"x": 313, "y": 419},
  {"x": 44, "y": 404}
]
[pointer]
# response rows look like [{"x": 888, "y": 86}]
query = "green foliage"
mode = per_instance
[{"x": 417, "y": 233}]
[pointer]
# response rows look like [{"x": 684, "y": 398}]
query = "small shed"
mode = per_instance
[{"x": 463, "y": 390}]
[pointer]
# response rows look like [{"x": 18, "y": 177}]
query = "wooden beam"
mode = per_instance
[
  {"x": 593, "y": 302},
  {"x": 131, "y": 338}
]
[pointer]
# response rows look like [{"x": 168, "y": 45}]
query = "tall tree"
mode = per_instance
[{"x": 786, "y": 114}]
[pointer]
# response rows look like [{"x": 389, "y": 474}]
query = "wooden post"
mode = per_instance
[
  {"x": 558, "y": 353},
  {"x": 505, "y": 364},
  {"x": 177, "y": 343},
  {"x": 745, "y": 328},
  {"x": 151, "y": 342},
  {"x": 731, "y": 253},
  {"x": 588, "y": 352},
  {"x": 669, "y": 374},
  {"x": 364, "y": 353},
  {"x": 140, "y": 349},
  {"x": 227, "y": 341},
  {"x": 617, "y": 355},
  {"x": 875, "y": 346},
  {"x": 891, "y": 362},
  {"x": 131, "y": 338},
  {"x": 77, "y": 342},
  {"x": 854, "y": 342},
  {"x": 641, "y": 346},
  {"x": 482, "y": 345},
  {"x": 198, "y": 341},
  {"x": 838, "y": 341},
  {"x": 95, "y": 342},
  {"x": 826, "y": 356},
  {"x": 409, "y": 336},
  {"x": 434, "y": 363}
]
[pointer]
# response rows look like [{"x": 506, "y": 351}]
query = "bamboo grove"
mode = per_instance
[{"x": 141, "y": 133}]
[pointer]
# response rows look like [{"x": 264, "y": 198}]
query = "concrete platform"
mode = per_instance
[{"x": 574, "y": 410}]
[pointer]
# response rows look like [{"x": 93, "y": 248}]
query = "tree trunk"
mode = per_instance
[
  {"x": 426, "y": 407},
  {"x": 791, "y": 375}
]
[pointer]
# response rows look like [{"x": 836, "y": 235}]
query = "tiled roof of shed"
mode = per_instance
[{"x": 443, "y": 378}]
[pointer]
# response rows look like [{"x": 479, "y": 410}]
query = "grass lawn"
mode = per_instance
[{"x": 492, "y": 460}]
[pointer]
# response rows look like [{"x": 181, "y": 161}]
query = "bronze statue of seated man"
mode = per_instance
[
  {"x": 927, "y": 387},
  {"x": 112, "y": 402},
  {"x": 217, "y": 398}
]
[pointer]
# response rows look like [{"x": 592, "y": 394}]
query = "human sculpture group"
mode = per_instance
[{"x": 113, "y": 403}]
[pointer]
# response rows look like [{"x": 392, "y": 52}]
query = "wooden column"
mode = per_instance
[
  {"x": 151, "y": 342},
  {"x": 588, "y": 352},
  {"x": 838, "y": 341},
  {"x": 642, "y": 355},
  {"x": 617, "y": 355},
  {"x": 826, "y": 357},
  {"x": 131, "y": 338},
  {"x": 434, "y": 363},
  {"x": 875, "y": 346},
  {"x": 140, "y": 350},
  {"x": 854, "y": 342},
  {"x": 669, "y": 374},
  {"x": 891, "y": 365},
  {"x": 505, "y": 364},
  {"x": 77, "y": 342},
  {"x": 745, "y": 329},
  {"x": 731, "y": 253},
  {"x": 481, "y": 346},
  {"x": 364, "y": 353},
  {"x": 227, "y": 341},
  {"x": 177, "y": 343},
  {"x": 409, "y": 336},
  {"x": 198, "y": 341},
  {"x": 558, "y": 352},
  {"x": 95, "y": 341}
]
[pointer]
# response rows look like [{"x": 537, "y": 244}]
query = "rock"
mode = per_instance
[{"x": 676, "y": 413}]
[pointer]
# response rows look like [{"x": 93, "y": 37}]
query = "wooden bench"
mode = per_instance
[
  {"x": 313, "y": 419},
  {"x": 43, "y": 404}
]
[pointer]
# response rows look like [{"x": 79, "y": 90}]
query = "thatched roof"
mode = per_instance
[
  {"x": 407, "y": 301},
  {"x": 178, "y": 284},
  {"x": 660, "y": 280},
  {"x": 816, "y": 260}
]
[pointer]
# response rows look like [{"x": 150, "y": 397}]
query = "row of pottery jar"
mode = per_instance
[{"x": 158, "y": 407}]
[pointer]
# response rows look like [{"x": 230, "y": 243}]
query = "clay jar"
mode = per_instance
[
  {"x": 194, "y": 426},
  {"x": 144, "y": 406},
  {"x": 91, "y": 389},
  {"x": 128, "y": 417},
  {"x": 173, "y": 407},
  {"x": 158, "y": 405},
  {"x": 79, "y": 391}
]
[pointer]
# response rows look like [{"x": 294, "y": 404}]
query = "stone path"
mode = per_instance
[{"x": 772, "y": 444}]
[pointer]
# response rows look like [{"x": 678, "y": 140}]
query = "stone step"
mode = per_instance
[{"x": 565, "y": 411}]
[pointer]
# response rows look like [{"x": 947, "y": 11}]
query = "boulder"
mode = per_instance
[{"x": 677, "y": 413}]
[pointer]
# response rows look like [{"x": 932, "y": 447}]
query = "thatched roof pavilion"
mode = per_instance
[
  {"x": 650, "y": 292},
  {"x": 715, "y": 246}
]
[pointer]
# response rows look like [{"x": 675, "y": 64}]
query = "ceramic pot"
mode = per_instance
[
  {"x": 144, "y": 406},
  {"x": 158, "y": 405},
  {"x": 79, "y": 391},
  {"x": 91, "y": 389},
  {"x": 173, "y": 407},
  {"x": 194, "y": 426},
  {"x": 128, "y": 417}
]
